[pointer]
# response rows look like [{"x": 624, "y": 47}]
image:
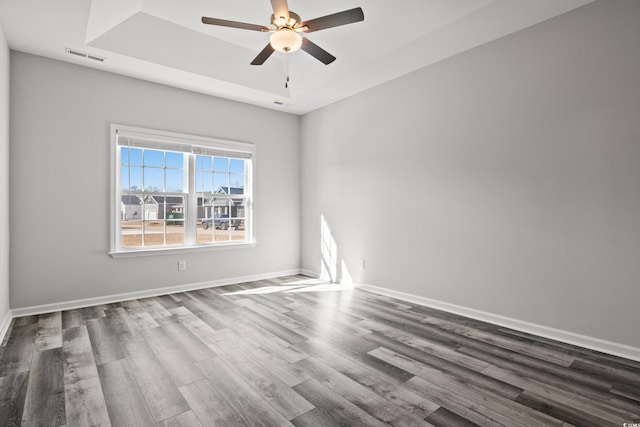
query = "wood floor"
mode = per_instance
[{"x": 292, "y": 351}]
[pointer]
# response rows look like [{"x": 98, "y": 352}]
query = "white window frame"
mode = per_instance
[{"x": 198, "y": 144}]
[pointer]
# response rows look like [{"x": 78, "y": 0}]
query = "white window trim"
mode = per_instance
[{"x": 190, "y": 246}]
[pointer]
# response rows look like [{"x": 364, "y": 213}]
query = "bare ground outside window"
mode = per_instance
[{"x": 154, "y": 232}]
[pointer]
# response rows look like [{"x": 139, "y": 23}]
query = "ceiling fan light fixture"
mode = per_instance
[{"x": 286, "y": 40}]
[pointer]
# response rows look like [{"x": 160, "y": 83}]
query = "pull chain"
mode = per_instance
[{"x": 286, "y": 71}]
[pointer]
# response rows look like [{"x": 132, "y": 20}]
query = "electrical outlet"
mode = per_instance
[
  {"x": 182, "y": 265},
  {"x": 362, "y": 264}
]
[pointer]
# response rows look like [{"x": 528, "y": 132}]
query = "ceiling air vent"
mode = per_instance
[{"x": 84, "y": 55}]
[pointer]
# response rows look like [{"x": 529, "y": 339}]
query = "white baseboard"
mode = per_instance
[
  {"x": 616, "y": 349},
  {"x": 108, "y": 299},
  {"x": 4, "y": 326}
]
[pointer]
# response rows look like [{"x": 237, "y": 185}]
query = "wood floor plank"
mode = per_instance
[
  {"x": 570, "y": 381},
  {"x": 255, "y": 334},
  {"x": 425, "y": 345},
  {"x": 514, "y": 344},
  {"x": 444, "y": 417},
  {"x": 327, "y": 321},
  {"x": 72, "y": 319},
  {"x": 598, "y": 409},
  {"x": 281, "y": 331},
  {"x": 105, "y": 344},
  {"x": 360, "y": 395},
  {"x": 249, "y": 405},
  {"x": 18, "y": 352},
  {"x": 160, "y": 392},
  {"x": 288, "y": 373},
  {"x": 205, "y": 313},
  {"x": 490, "y": 404},
  {"x": 154, "y": 308},
  {"x": 197, "y": 327},
  {"x": 209, "y": 404},
  {"x": 186, "y": 419},
  {"x": 93, "y": 312},
  {"x": 330, "y": 408},
  {"x": 370, "y": 377},
  {"x": 173, "y": 358},
  {"x": 139, "y": 315},
  {"x": 49, "y": 330},
  {"x": 357, "y": 348},
  {"x": 13, "y": 391},
  {"x": 45, "y": 401},
  {"x": 125, "y": 401},
  {"x": 195, "y": 349},
  {"x": 121, "y": 325},
  {"x": 78, "y": 355},
  {"x": 278, "y": 394},
  {"x": 85, "y": 403},
  {"x": 411, "y": 401},
  {"x": 444, "y": 365}
]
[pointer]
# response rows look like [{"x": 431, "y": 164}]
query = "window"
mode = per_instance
[{"x": 176, "y": 191}]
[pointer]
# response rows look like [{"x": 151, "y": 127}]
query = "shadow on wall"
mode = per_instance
[{"x": 332, "y": 268}]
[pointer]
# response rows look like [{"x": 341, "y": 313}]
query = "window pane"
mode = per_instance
[
  {"x": 175, "y": 233},
  {"x": 149, "y": 208},
  {"x": 203, "y": 182},
  {"x": 153, "y": 179},
  {"x": 124, "y": 155},
  {"x": 153, "y": 233},
  {"x": 222, "y": 230},
  {"x": 135, "y": 177},
  {"x": 131, "y": 233},
  {"x": 153, "y": 158},
  {"x": 174, "y": 160},
  {"x": 237, "y": 184},
  {"x": 135, "y": 156},
  {"x": 175, "y": 180},
  {"x": 221, "y": 164},
  {"x": 237, "y": 219},
  {"x": 203, "y": 163},
  {"x": 221, "y": 182},
  {"x": 205, "y": 230},
  {"x": 238, "y": 232},
  {"x": 174, "y": 217},
  {"x": 124, "y": 179},
  {"x": 175, "y": 207},
  {"x": 130, "y": 207},
  {"x": 237, "y": 166}
]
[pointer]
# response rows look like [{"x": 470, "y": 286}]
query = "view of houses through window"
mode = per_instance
[{"x": 158, "y": 187}]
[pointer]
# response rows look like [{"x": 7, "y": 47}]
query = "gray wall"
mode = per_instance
[
  {"x": 505, "y": 179},
  {"x": 4, "y": 176},
  {"x": 60, "y": 182}
]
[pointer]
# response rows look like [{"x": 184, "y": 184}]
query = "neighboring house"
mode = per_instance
[
  {"x": 131, "y": 206},
  {"x": 220, "y": 205},
  {"x": 153, "y": 208}
]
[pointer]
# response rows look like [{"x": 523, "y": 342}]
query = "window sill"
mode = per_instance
[{"x": 180, "y": 250}]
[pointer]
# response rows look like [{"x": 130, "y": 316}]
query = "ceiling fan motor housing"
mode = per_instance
[
  {"x": 280, "y": 21},
  {"x": 286, "y": 39}
]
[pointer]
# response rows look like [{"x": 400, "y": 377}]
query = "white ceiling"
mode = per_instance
[{"x": 164, "y": 41}]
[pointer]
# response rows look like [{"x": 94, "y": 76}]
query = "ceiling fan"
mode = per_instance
[{"x": 287, "y": 28}]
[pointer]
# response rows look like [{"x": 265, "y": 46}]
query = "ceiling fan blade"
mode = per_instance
[
  {"x": 263, "y": 55},
  {"x": 233, "y": 24},
  {"x": 280, "y": 9},
  {"x": 317, "y": 52},
  {"x": 334, "y": 20}
]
